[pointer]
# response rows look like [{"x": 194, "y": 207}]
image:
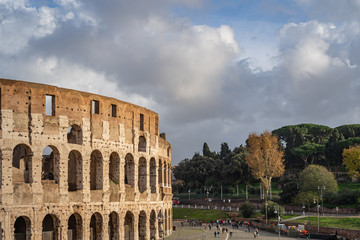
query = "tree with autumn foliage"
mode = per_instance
[
  {"x": 351, "y": 160},
  {"x": 265, "y": 158}
]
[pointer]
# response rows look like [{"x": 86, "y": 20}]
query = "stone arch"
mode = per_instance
[
  {"x": 142, "y": 144},
  {"x": 50, "y": 227},
  {"x": 152, "y": 222},
  {"x": 114, "y": 226},
  {"x": 160, "y": 172},
  {"x": 75, "y": 227},
  {"x": 22, "y": 228},
  {"x": 142, "y": 179},
  {"x": 75, "y": 135},
  {"x": 22, "y": 164},
  {"x": 114, "y": 168},
  {"x": 129, "y": 170},
  {"x": 50, "y": 164},
  {"x": 129, "y": 226},
  {"x": 96, "y": 224},
  {"x": 75, "y": 171},
  {"x": 142, "y": 225},
  {"x": 96, "y": 170},
  {"x": 153, "y": 175},
  {"x": 161, "y": 224}
]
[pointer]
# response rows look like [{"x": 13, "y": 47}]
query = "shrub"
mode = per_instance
[
  {"x": 306, "y": 199},
  {"x": 346, "y": 196},
  {"x": 271, "y": 208},
  {"x": 247, "y": 210},
  {"x": 314, "y": 176}
]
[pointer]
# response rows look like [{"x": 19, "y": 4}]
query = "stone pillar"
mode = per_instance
[
  {"x": 35, "y": 177},
  {"x": 106, "y": 186},
  {"x": 136, "y": 225},
  {"x": 86, "y": 178},
  {"x": 136, "y": 177},
  {"x": 86, "y": 225},
  {"x": 105, "y": 228},
  {"x": 7, "y": 188},
  {"x": 121, "y": 226},
  {"x": 122, "y": 179},
  {"x": 147, "y": 226},
  {"x": 63, "y": 179}
]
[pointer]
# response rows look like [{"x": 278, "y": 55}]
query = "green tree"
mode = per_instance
[
  {"x": 351, "y": 160},
  {"x": 207, "y": 152},
  {"x": 314, "y": 176},
  {"x": 271, "y": 209},
  {"x": 247, "y": 210},
  {"x": 307, "y": 150},
  {"x": 265, "y": 158},
  {"x": 289, "y": 190}
]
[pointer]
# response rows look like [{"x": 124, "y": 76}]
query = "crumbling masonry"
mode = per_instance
[{"x": 76, "y": 165}]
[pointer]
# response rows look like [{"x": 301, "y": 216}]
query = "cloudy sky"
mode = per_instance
[{"x": 214, "y": 70}]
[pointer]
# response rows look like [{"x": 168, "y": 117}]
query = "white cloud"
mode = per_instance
[{"x": 138, "y": 51}]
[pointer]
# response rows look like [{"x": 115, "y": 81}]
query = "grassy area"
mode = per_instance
[
  {"x": 342, "y": 222},
  {"x": 200, "y": 214}
]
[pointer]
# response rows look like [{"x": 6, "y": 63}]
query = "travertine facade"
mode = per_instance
[{"x": 76, "y": 165}]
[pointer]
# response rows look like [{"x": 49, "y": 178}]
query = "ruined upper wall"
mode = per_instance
[{"x": 26, "y": 98}]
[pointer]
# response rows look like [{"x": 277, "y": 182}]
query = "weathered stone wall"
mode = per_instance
[{"x": 63, "y": 161}]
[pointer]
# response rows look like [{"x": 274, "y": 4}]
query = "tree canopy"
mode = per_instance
[
  {"x": 351, "y": 160},
  {"x": 265, "y": 158}
]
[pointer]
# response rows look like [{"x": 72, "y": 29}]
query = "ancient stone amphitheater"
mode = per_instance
[{"x": 76, "y": 165}]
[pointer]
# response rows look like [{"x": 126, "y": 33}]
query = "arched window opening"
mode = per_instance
[
  {"x": 169, "y": 175},
  {"x": 153, "y": 175},
  {"x": 50, "y": 227},
  {"x": 96, "y": 171},
  {"x": 142, "y": 175},
  {"x": 50, "y": 164},
  {"x": 75, "y": 135},
  {"x": 96, "y": 223},
  {"x": 142, "y": 225},
  {"x": 168, "y": 152},
  {"x": 74, "y": 227},
  {"x": 22, "y": 164},
  {"x": 160, "y": 171},
  {"x": 161, "y": 224},
  {"x": 142, "y": 144},
  {"x": 114, "y": 168},
  {"x": 165, "y": 174},
  {"x": 113, "y": 226},
  {"x": 129, "y": 226},
  {"x": 152, "y": 225},
  {"x": 75, "y": 171},
  {"x": 22, "y": 228},
  {"x": 129, "y": 170}
]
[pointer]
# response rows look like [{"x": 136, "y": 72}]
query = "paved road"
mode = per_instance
[{"x": 197, "y": 233}]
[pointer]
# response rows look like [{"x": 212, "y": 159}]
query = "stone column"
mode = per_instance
[
  {"x": 86, "y": 177},
  {"x": 63, "y": 179},
  {"x": 35, "y": 177},
  {"x": 7, "y": 188},
  {"x": 105, "y": 228}
]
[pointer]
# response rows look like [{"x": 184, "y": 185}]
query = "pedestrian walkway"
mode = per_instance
[{"x": 199, "y": 233}]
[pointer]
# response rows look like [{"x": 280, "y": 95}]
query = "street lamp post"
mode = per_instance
[
  {"x": 278, "y": 213},
  {"x": 305, "y": 200},
  {"x": 321, "y": 188},
  {"x": 189, "y": 193},
  {"x": 266, "y": 204},
  {"x": 316, "y": 200}
]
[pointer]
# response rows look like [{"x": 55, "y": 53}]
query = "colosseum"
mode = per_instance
[{"x": 77, "y": 165}]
